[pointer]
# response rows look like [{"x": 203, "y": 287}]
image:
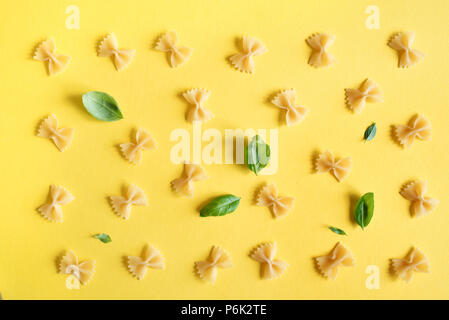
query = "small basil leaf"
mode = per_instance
[
  {"x": 102, "y": 106},
  {"x": 103, "y": 237},
  {"x": 220, "y": 206},
  {"x": 337, "y": 231},
  {"x": 257, "y": 154},
  {"x": 370, "y": 132},
  {"x": 364, "y": 210}
]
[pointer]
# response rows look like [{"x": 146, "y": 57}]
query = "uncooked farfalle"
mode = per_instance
[
  {"x": 109, "y": 48},
  {"x": 402, "y": 43},
  {"x": 207, "y": 269},
  {"x": 279, "y": 205},
  {"x": 340, "y": 256},
  {"x": 244, "y": 61},
  {"x": 150, "y": 258},
  {"x": 286, "y": 100},
  {"x": 168, "y": 42},
  {"x": 196, "y": 99},
  {"x": 356, "y": 99},
  {"x": 414, "y": 261},
  {"x": 320, "y": 43},
  {"x": 270, "y": 268},
  {"x": 191, "y": 173},
  {"x": 418, "y": 127},
  {"x": 57, "y": 197},
  {"x": 133, "y": 196},
  {"x": 49, "y": 128},
  {"x": 56, "y": 62},
  {"x": 326, "y": 162},
  {"x": 420, "y": 204},
  {"x": 132, "y": 151},
  {"x": 83, "y": 271}
]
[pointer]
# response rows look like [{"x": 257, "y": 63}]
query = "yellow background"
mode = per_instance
[{"x": 149, "y": 95}]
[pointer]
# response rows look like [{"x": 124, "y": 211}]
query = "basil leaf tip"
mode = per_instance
[
  {"x": 102, "y": 106},
  {"x": 370, "y": 132},
  {"x": 337, "y": 231},
  {"x": 220, "y": 206},
  {"x": 103, "y": 237},
  {"x": 257, "y": 154},
  {"x": 364, "y": 210}
]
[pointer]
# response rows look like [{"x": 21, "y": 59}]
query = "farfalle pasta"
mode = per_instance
[
  {"x": 356, "y": 99},
  {"x": 191, "y": 173},
  {"x": 420, "y": 204},
  {"x": 325, "y": 162},
  {"x": 244, "y": 61},
  {"x": 133, "y": 196},
  {"x": 196, "y": 99},
  {"x": 320, "y": 43},
  {"x": 109, "y": 48},
  {"x": 46, "y": 52},
  {"x": 132, "y": 151},
  {"x": 49, "y": 128},
  {"x": 286, "y": 100},
  {"x": 82, "y": 271},
  {"x": 57, "y": 197},
  {"x": 414, "y": 261},
  {"x": 150, "y": 258},
  {"x": 279, "y": 205},
  {"x": 207, "y": 269},
  {"x": 340, "y": 256},
  {"x": 270, "y": 268},
  {"x": 402, "y": 43},
  {"x": 178, "y": 54},
  {"x": 418, "y": 127}
]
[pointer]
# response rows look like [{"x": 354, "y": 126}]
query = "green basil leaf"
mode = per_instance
[
  {"x": 364, "y": 210},
  {"x": 370, "y": 132},
  {"x": 220, "y": 206},
  {"x": 257, "y": 154},
  {"x": 337, "y": 231},
  {"x": 103, "y": 237},
  {"x": 102, "y": 106}
]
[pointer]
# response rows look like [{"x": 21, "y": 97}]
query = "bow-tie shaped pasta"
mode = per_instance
[
  {"x": 339, "y": 256},
  {"x": 244, "y": 61},
  {"x": 207, "y": 270},
  {"x": 184, "y": 184},
  {"x": 414, "y": 261},
  {"x": 417, "y": 127},
  {"x": 62, "y": 137},
  {"x": 57, "y": 197},
  {"x": 109, "y": 48},
  {"x": 268, "y": 197},
  {"x": 132, "y": 151},
  {"x": 325, "y": 162},
  {"x": 402, "y": 43},
  {"x": 83, "y": 271},
  {"x": 320, "y": 43},
  {"x": 196, "y": 98},
  {"x": 287, "y": 100},
  {"x": 415, "y": 192},
  {"x": 369, "y": 91},
  {"x": 150, "y": 258},
  {"x": 178, "y": 54},
  {"x": 46, "y": 51},
  {"x": 134, "y": 196},
  {"x": 270, "y": 268}
]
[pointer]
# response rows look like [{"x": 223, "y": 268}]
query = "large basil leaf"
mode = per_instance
[
  {"x": 364, "y": 210},
  {"x": 102, "y": 106},
  {"x": 220, "y": 206},
  {"x": 370, "y": 132},
  {"x": 257, "y": 154}
]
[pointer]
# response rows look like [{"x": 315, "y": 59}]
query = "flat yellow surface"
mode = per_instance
[{"x": 149, "y": 95}]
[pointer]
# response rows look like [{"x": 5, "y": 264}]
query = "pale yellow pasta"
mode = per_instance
[
  {"x": 57, "y": 197},
  {"x": 196, "y": 99},
  {"x": 191, "y": 173},
  {"x": 326, "y": 162},
  {"x": 356, "y": 99},
  {"x": 109, "y": 48},
  {"x": 418, "y": 127},
  {"x": 279, "y": 205},
  {"x": 178, "y": 54},
  {"x": 270, "y": 268},
  {"x": 62, "y": 137},
  {"x": 132, "y": 151},
  {"x": 320, "y": 43},
  {"x": 83, "y": 271},
  {"x": 207, "y": 269},
  {"x": 414, "y": 261},
  {"x": 133, "y": 196},
  {"x": 150, "y": 258},
  {"x": 420, "y": 204},
  {"x": 340, "y": 256},
  {"x": 286, "y": 100},
  {"x": 244, "y": 61},
  {"x": 402, "y": 43},
  {"x": 46, "y": 52}
]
